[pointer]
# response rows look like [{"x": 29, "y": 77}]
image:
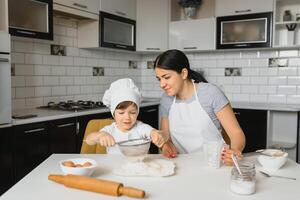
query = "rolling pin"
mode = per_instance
[{"x": 96, "y": 185}]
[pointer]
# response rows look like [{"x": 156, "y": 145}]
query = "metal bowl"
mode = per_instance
[{"x": 135, "y": 147}]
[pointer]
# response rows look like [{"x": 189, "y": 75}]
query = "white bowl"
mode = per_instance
[
  {"x": 82, "y": 170},
  {"x": 273, "y": 163}
]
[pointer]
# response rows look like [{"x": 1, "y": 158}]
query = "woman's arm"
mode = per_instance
[
  {"x": 231, "y": 126},
  {"x": 168, "y": 149}
]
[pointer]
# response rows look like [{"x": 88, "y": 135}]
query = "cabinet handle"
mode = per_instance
[
  {"x": 151, "y": 110},
  {"x": 26, "y": 32},
  {"x": 65, "y": 125},
  {"x": 152, "y": 48},
  {"x": 34, "y": 130},
  {"x": 242, "y": 11},
  {"x": 121, "y": 46},
  {"x": 77, "y": 128},
  {"x": 237, "y": 113},
  {"x": 189, "y": 47},
  {"x": 80, "y": 5},
  {"x": 120, "y": 13},
  {"x": 4, "y": 60}
]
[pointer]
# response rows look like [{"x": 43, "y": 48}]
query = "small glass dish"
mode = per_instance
[{"x": 135, "y": 147}]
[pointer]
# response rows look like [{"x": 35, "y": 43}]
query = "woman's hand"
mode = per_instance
[
  {"x": 158, "y": 138},
  {"x": 169, "y": 150},
  {"x": 226, "y": 155}
]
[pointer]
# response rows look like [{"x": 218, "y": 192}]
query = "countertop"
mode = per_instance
[
  {"x": 193, "y": 179},
  {"x": 47, "y": 115},
  {"x": 266, "y": 106}
]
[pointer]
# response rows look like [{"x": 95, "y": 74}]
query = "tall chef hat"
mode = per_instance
[{"x": 119, "y": 91}]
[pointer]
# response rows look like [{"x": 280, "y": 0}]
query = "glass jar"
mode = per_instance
[{"x": 245, "y": 183}]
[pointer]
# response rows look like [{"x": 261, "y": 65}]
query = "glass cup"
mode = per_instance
[
  {"x": 243, "y": 184},
  {"x": 212, "y": 153}
]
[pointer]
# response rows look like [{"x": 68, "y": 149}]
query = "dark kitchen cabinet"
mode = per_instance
[
  {"x": 149, "y": 115},
  {"x": 6, "y": 159},
  {"x": 30, "y": 147},
  {"x": 254, "y": 125},
  {"x": 82, "y": 123},
  {"x": 63, "y": 136}
]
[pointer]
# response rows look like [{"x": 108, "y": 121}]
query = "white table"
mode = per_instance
[{"x": 193, "y": 180}]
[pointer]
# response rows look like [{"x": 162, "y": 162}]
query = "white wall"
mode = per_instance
[
  {"x": 41, "y": 77},
  {"x": 258, "y": 83}
]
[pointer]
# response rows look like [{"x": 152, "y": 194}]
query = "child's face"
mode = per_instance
[{"x": 126, "y": 118}]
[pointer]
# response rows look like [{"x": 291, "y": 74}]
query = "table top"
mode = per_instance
[{"x": 193, "y": 179}]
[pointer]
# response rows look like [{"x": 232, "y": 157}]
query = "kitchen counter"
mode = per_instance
[
  {"x": 266, "y": 106},
  {"x": 193, "y": 179},
  {"x": 47, "y": 115}
]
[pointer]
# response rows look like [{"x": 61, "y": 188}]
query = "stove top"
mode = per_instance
[{"x": 73, "y": 105}]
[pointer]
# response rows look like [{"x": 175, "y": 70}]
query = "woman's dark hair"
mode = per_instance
[{"x": 176, "y": 60}]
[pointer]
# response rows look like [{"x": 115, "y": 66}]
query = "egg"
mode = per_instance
[
  {"x": 78, "y": 165},
  {"x": 87, "y": 164},
  {"x": 68, "y": 164}
]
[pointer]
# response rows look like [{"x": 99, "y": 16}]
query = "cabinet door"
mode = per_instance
[
  {"x": 123, "y": 8},
  {"x": 149, "y": 115},
  {"x": 85, "y": 5},
  {"x": 152, "y": 25},
  {"x": 82, "y": 123},
  {"x": 63, "y": 136},
  {"x": 254, "y": 125},
  {"x": 192, "y": 35},
  {"x": 6, "y": 159},
  {"x": 31, "y": 147},
  {"x": 237, "y": 7}
]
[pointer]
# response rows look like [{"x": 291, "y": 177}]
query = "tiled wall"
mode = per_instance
[
  {"x": 258, "y": 82},
  {"x": 41, "y": 77}
]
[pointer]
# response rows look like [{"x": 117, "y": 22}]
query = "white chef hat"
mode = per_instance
[{"x": 120, "y": 91}]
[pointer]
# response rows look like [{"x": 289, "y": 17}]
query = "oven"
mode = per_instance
[{"x": 244, "y": 31}]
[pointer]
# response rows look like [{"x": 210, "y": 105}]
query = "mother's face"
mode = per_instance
[{"x": 170, "y": 81}]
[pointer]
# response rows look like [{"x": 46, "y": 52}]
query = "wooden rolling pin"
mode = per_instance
[{"x": 96, "y": 185}]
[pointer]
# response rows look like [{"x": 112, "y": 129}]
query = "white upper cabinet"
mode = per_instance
[
  {"x": 123, "y": 8},
  {"x": 239, "y": 7},
  {"x": 152, "y": 25},
  {"x": 81, "y": 8},
  {"x": 287, "y": 31},
  {"x": 192, "y": 35}
]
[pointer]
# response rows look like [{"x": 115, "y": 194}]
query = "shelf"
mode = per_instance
[{"x": 287, "y": 22}]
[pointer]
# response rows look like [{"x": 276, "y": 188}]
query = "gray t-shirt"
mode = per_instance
[{"x": 211, "y": 98}]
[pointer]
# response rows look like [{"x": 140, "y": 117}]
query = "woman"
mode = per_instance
[{"x": 192, "y": 110}]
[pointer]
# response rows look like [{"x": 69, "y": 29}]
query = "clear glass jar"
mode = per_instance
[{"x": 245, "y": 183}]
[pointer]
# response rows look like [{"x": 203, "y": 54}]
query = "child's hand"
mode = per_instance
[
  {"x": 158, "y": 138},
  {"x": 106, "y": 139},
  {"x": 92, "y": 138}
]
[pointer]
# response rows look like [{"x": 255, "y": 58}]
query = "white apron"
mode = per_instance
[{"x": 190, "y": 126}]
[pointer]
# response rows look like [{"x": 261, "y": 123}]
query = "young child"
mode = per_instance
[{"x": 123, "y": 98}]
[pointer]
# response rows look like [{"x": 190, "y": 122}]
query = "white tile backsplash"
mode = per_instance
[{"x": 41, "y": 77}]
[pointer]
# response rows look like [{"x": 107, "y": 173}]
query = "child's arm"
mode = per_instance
[
  {"x": 102, "y": 137},
  {"x": 158, "y": 137}
]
